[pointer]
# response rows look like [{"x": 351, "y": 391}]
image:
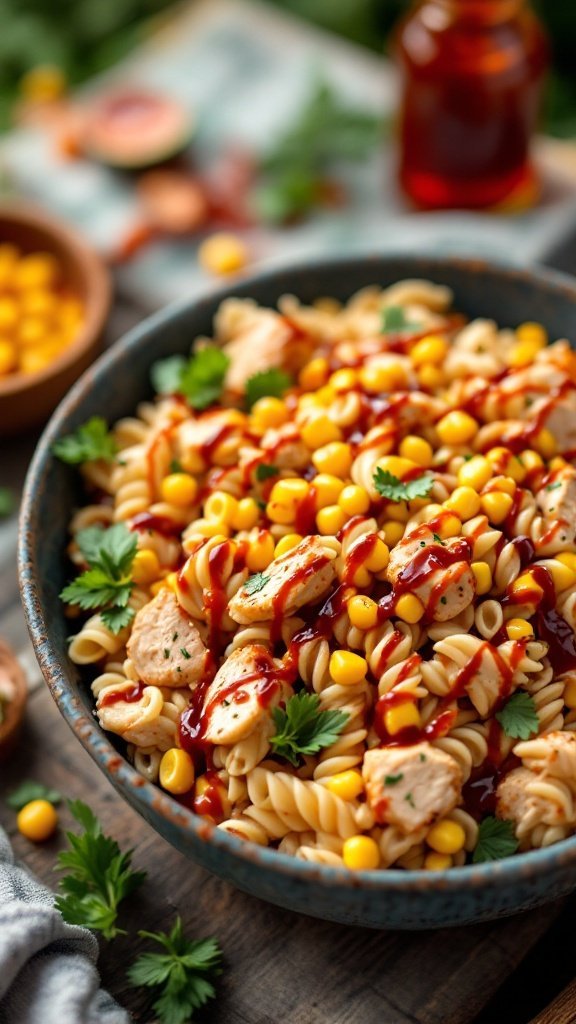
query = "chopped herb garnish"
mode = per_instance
[
  {"x": 255, "y": 583},
  {"x": 185, "y": 654},
  {"x": 89, "y": 442},
  {"x": 302, "y": 729},
  {"x": 200, "y": 379},
  {"x": 267, "y": 383},
  {"x": 410, "y": 799},
  {"x": 422, "y": 757},
  {"x": 225, "y": 703},
  {"x": 175, "y": 466},
  {"x": 174, "y": 637},
  {"x": 393, "y": 780},
  {"x": 30, "y": 790},
  {"x": 107, "y": 583},
  {"x": 394, "y": 319},
  {"x": 443, "y": 600},
  {"x": 389, "y": 486},
  {"x": 553, "y": 487},
  {"x": 518, "y": 717},
  {"x": 166, "y": 652},
  {"x": 438, "y": 538},
  {"x": 496, "y": 839},
  {"x": 264, "y": 471}
]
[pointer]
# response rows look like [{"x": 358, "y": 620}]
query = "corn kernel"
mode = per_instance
[
  {"x": 261, "y": 551},
  {"x": 222, "y": 253},
  {"x": 208, "y": 784},
  {"x": 568, "y": 559},
  {"x": 430, "y": 377},
  {"x": 393, "y": 532},
  {"x": 246, "y": 514},
  {"x": 354, "y": 500},
  {"x": 527, "y": 588},
  {"x": 448, "y": 525},
  {"x": 437, "y": 862},
  {"x": 446, "y": 836},
  {"x": 8, "y": 357},
  {"x": 31, "y": 331},
  {"x": 343, "y": 380},
  {"x": 269, "y": 412},
  {"x": 145, "y": 567},
  {"x": 192, "y": 462},
  {"x": 36, "y": 358},
  {"x": 211, "y": 527},
  {"x": 290, "y": 489},
  {"x": 496, "y": 506},
  {"x": 431, "y": 349},
  {"x": 40, "y": 302},
  {"x": 9, "y": 314},
  {"x": 521, "y": 354},
  {"x": 375, "y": 377},
  {"x": 531, "y": 460},
  {"x": 475, "y": 473},
  {"x": 314, "y": 374},
  {"x": 505, "y": 484},
  {"x": 327, "y": 490},
  {"x": 325, "y": 396},
  {"x": 320, "y": 431},
  {"x": 361, "y": 853},
  {"x": 37, "y": 270},
  {"x": 334, "y": 458},
  {"x": 562, "y": 574},
  {"x": 558, "y": 462},
  {"x": 570, "y": 694},
  {"x": 176, "y": 771},
  {"x": 347, "y": 785},
  {"x": 483, "y": 577},
  {"x": 398, "y": 511},
  {"x": 43, "y": 84},
  {"x": 409, "y": 608},
  {"x": 545, "y": 443},
  {"x": 465, "y": 502},
  {"x": 347, "y": 668},
  {"x": 456, "y": 427},
  {"x": 378, "y": 558},
  {"x": 417, "y": 450},
  {"x": 286, "y": 543},
  {"x": 403, "y": 716},
  {"x": 518, "y": 629},
  {"x": 179, "y": 489},
  {"x": 399, "y": 467},
  {"x": 533, "y": 333},
  {"x": 221, "y": 506},
  {"x": 330, "y": 520},
  {"x": 362, "y": 611},
  {"x": 37, "y": 820}
]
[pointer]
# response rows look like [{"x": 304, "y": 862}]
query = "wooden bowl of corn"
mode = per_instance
[{"x": 55, "y": 297}]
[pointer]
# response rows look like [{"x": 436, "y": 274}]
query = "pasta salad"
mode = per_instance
[{"x": 330, "y": 572}]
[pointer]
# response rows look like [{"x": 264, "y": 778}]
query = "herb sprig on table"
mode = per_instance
[
  {"x": 106, "y": 584},
  {"x": 30, "y": 790}
]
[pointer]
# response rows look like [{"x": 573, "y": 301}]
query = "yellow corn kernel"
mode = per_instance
[
  {"x": 286, "y": 543},
  {"x": 180, "y": 489},
  {"x": 347, "y": 668},
  {"x": 521, "y": 354},
  {"x": 399, "y": 467},
  {"x": 192, "y": 462},
  {"x": 206, "y": 784},
  {"x": 145, "y": 567},
  {"x": 518, "y": 629},
  {"x": 457, "y": 427},
  {"x": 417, "y": 450},
  {"x": 361, "y": 853},
  {"x": 448, "y": 525},
  {"x": 431, "y": 349},
  {"x": 246, "y": 514},
  {"x": 261, "y": 551},
  {"x": 503, "y": 461},
  {"x": 515, "y": 469},
  {"x": 409, "y": 608},
  {"x": 43, "y": 84},
  {"x": 378, "y": 558},
  {"x": 496, "y": 506},
  {"x": 37, "y": 358},
  {"x": 362, "y": 611},
  {"x": 475, "y": 473},
  {"x": 319, "y": 432},
  {"x": 376, "y": 377},
  {"x": 393, "y": 532},
  {"x": 398, "y": 512},
  {"x": 334, "y": 458},
  {"x": 330, "y": 520},
  {"x": 527, "y": 588},
  {"x": 290, "y": 489},
  {"x": 505, "y": 484},
  {"x": 568, "y": 559},
  {"x": 437, "y": 862},
  {"x": 70, "y": 313},
  {"x": 38, "y": 270},
  {"x": 40, "y": 302},
  {"x": 562, "y": 574},
  {"x": 268, "y": 412},
  {"x": 177, "y": 771},
  {"x": 446, "y": 836},
  {"x": 8, "y": 357},
  {"x": 531, "y": 460},
  {"x": 483, "y": 577},
  {"x": 354, "y": 500},
  {"x": 31, "y": 331},
  {"x": 222, "y": 253},
  {"x": 533, "y": 332},
  {"x": 347, "y": 785},
  {"x": 325, "y": 396},
  {"x": 221, "y": 506},
  {"x": 327, "y": 490},
  {"x": 9, "y": 314},
  {"x": 465, "y": 502},
  {"x": 557, "y": 463},
  {"x": 314, "y": 375},
  {"x": 343, "y": 380},
  {"x": 430, "y": 377},
  {"x": 545, "y": 443},
  {"x": 403, "y": 716},
  {"x": 37, "y": 820},
  {"x": 570, "y": 694},
  {"x": 211, "y": 527},
  {"x": 155, "y": 588}
]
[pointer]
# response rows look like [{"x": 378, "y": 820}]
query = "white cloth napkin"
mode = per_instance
[{"x": 47, "y": 967}]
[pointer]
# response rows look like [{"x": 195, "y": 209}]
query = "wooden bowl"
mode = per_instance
[
  {"x": 26, "y": 400},
  {"x": 14, "y": 710}
]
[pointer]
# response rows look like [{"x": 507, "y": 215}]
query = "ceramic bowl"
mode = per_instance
[
  {"x": 113, "y": 386},
  {"x": 27, "y": 400}
]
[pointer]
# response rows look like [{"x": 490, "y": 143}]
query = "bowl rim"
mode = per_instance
[
  {"x": 145, "y": 795},
  {"x": 98, "y": 284}
]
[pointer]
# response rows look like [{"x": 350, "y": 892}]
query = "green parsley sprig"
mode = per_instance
[
  {"x": 106, "y": 584},
  {"x": 518, "y": 717},
  {"x": 30, "y": 790},
  {"x": 390, "y": 487},
  {"x": 91, "y": 441},
  {"x": 99, "y": 876},
  {"x": 255, "y": 583},
  {"x": 200, "y": 379},
  {"x": 302, "y": 729},
  {"x": 182, "y": 973},
  {"x": 496, "y": 839},
  {"x": 394, "y": 320},
  {"x": 265, "y": 471},
  {"x": 268, "y": 383}
]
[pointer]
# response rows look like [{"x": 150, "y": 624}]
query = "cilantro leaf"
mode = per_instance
[
  {"x": 200, "y": 379},
  {"x": 107, "y": 583},
  {"x": 255, "y": 583},
  {"x": 394, "y": 319},
  {"x": 99, "y": 875},
  {"x": 267, "y": 383},
  {"x": 496, "y": 839},
  {"x": 518, "y": 717},
  {"x": 389, "y": 486},
  {"x": 264, "y": 471},
  {"x": 30, "y": 790},
  {"x": 89, "y": 442},
  {"x": 183, "y": 973},
  {"x": 302, "y": 729},
  {"x": 7, "y": 502}
]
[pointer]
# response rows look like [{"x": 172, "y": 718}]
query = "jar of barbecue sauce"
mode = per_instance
[{"x": 471, "y": 72}]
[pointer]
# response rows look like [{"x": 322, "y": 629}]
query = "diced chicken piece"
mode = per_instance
[
  {"x": 411, "y": 787},
  {"x": 299, "y": 577},
  {"x": 561, "y": 422},
  {"x": 479, "y": 348},
  {"x": 444, "y": 592},
  {"x": 285, "y": 448},
  {"x": 257, "y": 339},
  {"x": 204, "y": 434},
  {"x": 553, "y": 754},
  {"x": 241, "y": 694},
  {"x": 557, "y": 499},
  {"x": 419, "y": 291},
  {"x": 165, "y": 645}
]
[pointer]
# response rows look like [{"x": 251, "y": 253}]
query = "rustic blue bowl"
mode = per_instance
[{"x": 112, "y": 387}]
